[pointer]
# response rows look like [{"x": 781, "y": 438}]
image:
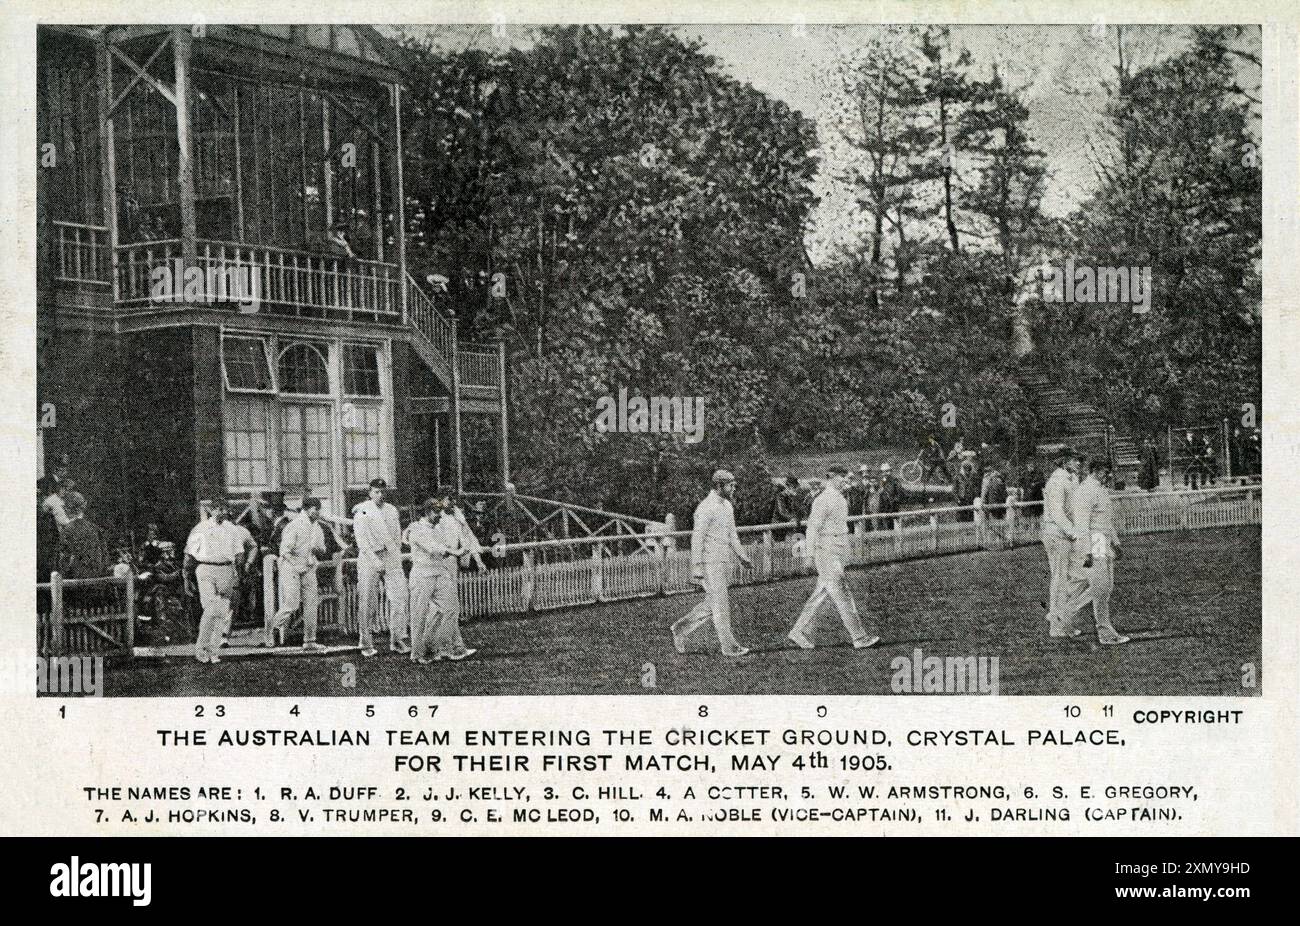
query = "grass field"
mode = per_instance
[{"x": 1190, "y": 601}]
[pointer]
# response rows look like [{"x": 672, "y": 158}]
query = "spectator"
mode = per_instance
[
  {"x": 994, "y": 495},
  {"x": 1149, "y": 474},
  {"x": 153, "y": 548},
  {"x": 336, "y": 242},
  {"x": 786, "y": 505},
  {"x": 955, "y": 454},
  {"x": 47, "y": 542},
  {"x": 933, "y": 462},
  {"x": 891, "y": 495},
  {"x": 873, "y": 505},
  {"x": 855, "y": 493},
  {"x": 965, "y": 489},
  {"x": 82, "y": 554},
  {"x": 1031, "y": 488},
  {"x": 56, "y": 502}
]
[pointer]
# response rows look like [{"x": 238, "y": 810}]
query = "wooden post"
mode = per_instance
[
  {"x": 979, "y": 522},
  {"x": 505, "y": 422},
  {"x": 181, "y": 47},
  {"x": 130, "y": 610},
  {"x": 527, "y": 585},
  {"x": 661, "y": 564},
  {"x": 56, "y": 613},
  {"x": 898, "y": 536},
  {"x": 108, "y": 160},
  {"x": 269, "y": 606},
  {"x": 378, "y": 200},
  {"x": 597, "y": 585},
  {"x": 765, "y": 570},
  {"x": 455, "y": 408},
  {"x": 399, "y": 196},
  {"x": 1013, "y": 496},
  {"x": 1227, "y": 451}
]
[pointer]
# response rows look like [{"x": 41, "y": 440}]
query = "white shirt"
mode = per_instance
[
  {"x": 713, "y": 533},
  {"x": 211, "y": 542},
  {"x": 828, "y": 525},
  {"x": 1058, "y": 502},
  {"x": 300, "y": 540},
  {"x": 431, "y": 545},
  {"x": 378, "y": 529}
]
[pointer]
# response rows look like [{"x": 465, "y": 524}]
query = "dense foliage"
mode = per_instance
[{"x": 624, "y": 214}]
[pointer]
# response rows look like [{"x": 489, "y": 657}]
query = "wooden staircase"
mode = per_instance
[{"x": 1066, "y": 419}]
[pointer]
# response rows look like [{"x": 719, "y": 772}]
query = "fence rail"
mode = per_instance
[
  {"x": 545, "y": 575},
  {"x": 478, "y": 367},
  {"x": 85, "y": 615},
  {"x": 428, "y": 319}
]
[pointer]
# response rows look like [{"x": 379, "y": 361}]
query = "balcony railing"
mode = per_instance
[
  {"x": 258, "y": 278},
  {"x": 428, "y": 318},
  {"x": 479, "y": 367},
  {"x": 81, "y": 254}
]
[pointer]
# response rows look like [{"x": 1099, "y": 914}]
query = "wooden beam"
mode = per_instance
[
  {"x": 372, "y": 131},
  {"x": 505, "y": 422},
  {"x": 399, "y": 195},
  {"x": 108, "y": 157},
  {"x": 140, "y": 73},
  {"x": 319, "y": 59},
  {"x": 181, "y": 39}
]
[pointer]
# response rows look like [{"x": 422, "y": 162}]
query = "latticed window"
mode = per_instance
[
  {"x": 303, "y": 370},
  {"x": 361, "y": 447},
  {"x": 245, "y": 426},
  {"x": 361, "y": 370},
  {"x": 245, "y": 363},
  {"x": 305, "y": 447}
]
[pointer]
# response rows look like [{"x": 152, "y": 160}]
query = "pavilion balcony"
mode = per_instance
[{"x": 257, "y": 278}]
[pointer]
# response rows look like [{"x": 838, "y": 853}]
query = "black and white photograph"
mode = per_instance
[{"x": 558, "y": 359}]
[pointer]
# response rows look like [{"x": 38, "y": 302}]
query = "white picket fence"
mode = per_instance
[
  {"x": 98, "y": 615},
  {"x": 552, "y": 574}
]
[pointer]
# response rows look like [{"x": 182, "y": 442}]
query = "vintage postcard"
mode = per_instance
[{"x": 764, "y": 419}]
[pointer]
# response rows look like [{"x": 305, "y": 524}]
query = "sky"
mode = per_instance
[{"x": 1061, "y": 69}]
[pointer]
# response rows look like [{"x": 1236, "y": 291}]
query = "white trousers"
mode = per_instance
[
  {"x": 216, "y": 586},
  {"x": 394, "y": 582},
  {"x": 297, "y": 589},
  {"x": 830, "y": 585},
  {"x": 716, "y": 606}
]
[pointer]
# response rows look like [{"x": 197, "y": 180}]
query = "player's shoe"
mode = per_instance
[
  {"x": 1058, "y": 632},
  {"x": 463, "y": 654},
  {"x": 799, "y": 640},
  {"x": 865, "y": 642},
  {"x": 679, "y": 644},
  {"x": 425, "y": 660},
  {"x": 202, "y": 658},
  {"x": 313, "y": 647},
  {"x": 214, "y": 659},
  {"x": 1109, "y": 636},
  {"x": 369, "y": 651},
  {"x": 401, "y": 648},
  {"x": 743, "y": 651}
]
